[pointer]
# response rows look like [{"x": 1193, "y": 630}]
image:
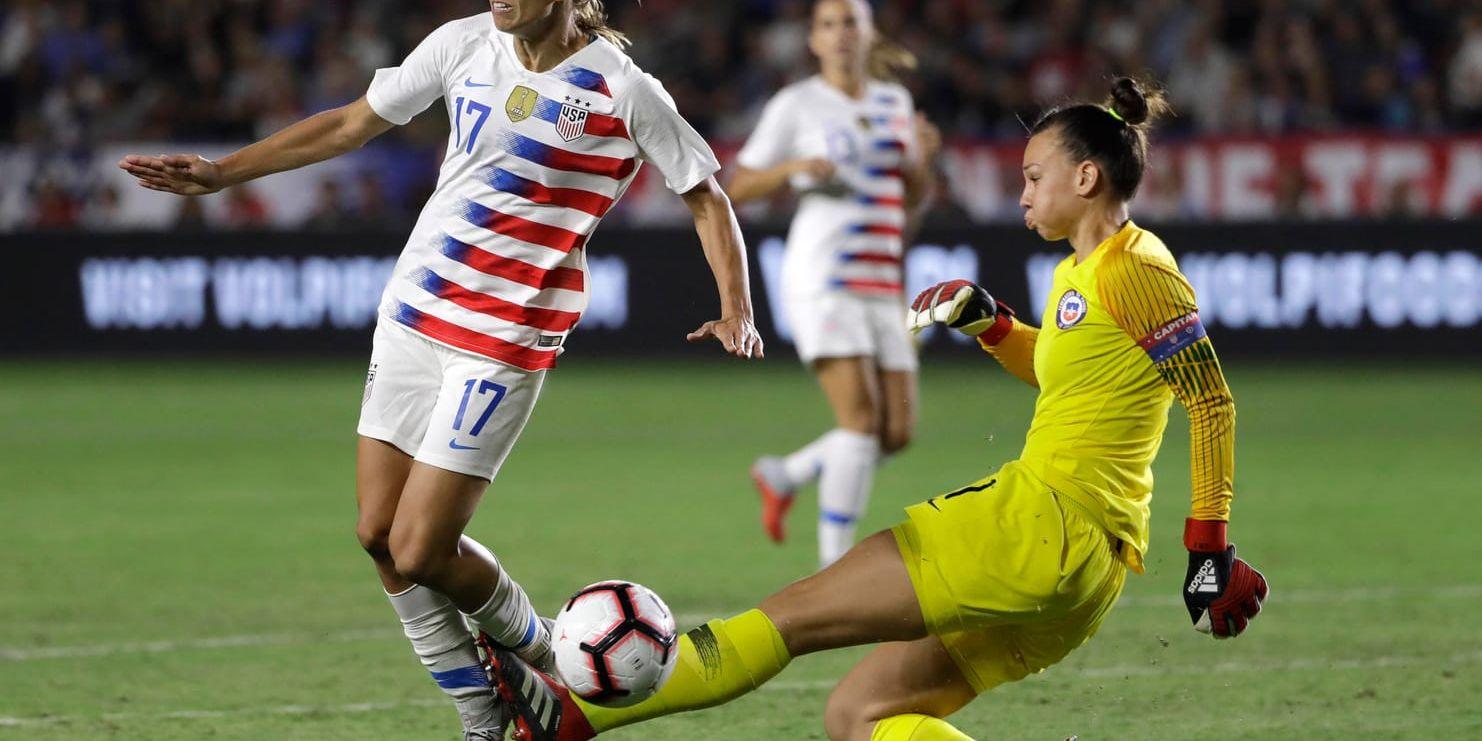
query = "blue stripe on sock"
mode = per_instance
[
  {"x": 468, "y": 676},
  {"x": 529, "y": 631},
  {"x": 837, "y": 518}
]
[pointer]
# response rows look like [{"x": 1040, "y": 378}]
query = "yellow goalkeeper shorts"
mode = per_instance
[{"x": 1010, "y": 576}]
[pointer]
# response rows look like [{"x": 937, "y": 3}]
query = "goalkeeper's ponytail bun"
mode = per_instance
[
  {"x": 1112, "y": 134},
  {"x": 1133, "y": 106}
]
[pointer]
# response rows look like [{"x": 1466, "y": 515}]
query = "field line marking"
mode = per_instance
[
  {"x": 1149, "y": 669},
  {"x": 1309, "y": 596},
  {"x": 187, "y": 644},
  {"x": 685, "y": 619},
  {"x": 356, "y": 707},
  {"x": 1377, "y": 662},
  {"x": 1282, "y": 596}
]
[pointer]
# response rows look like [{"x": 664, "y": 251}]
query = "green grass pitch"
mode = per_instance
[{"x": 180, "y": 560}]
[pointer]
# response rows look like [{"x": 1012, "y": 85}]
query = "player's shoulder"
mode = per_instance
[
  {"x": 799, "y": 90},
  {"x": 789, "y": 100},
  {"x": 1137, "y": 263},
  {"x": 1137, "y": 249},
  {"x": 604, "y": 65}
]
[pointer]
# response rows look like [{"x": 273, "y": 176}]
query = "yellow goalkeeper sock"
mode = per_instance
[
  {"x": 915, "y": 727},
  {"x": 718, "y": 662}
]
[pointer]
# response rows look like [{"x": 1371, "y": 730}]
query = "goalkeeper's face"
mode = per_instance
[{"x": 1056, "y": 194}]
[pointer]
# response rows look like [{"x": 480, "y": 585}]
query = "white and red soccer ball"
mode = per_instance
[{"x": 615, "y": 643}]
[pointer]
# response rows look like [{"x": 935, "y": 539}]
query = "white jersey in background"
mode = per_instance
[
  {"x": 496, "y": 263},
  {"x": 846, "y": 235}
]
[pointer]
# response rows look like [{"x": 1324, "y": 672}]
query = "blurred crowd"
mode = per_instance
[{"x": 82, "y": 74}]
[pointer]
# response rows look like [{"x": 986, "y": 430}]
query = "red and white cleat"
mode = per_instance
[
  {"x": 538, "y": 706},
  {"x": 776, "y": 492}
]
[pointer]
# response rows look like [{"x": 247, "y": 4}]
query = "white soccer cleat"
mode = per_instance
[{"x": 484, "y": 724}]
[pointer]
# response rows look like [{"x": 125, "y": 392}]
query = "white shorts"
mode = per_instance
[
  {"x": 842, "y": 325},
  {"x": 444, "y": 407}
]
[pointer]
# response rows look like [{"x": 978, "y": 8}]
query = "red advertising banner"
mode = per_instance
[
  {"x": 1314, "y": 177},
  {"x": 1231, "y": 179}
]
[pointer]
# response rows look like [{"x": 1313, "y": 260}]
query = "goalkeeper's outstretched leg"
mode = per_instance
[{"x": 725, "y": 659}]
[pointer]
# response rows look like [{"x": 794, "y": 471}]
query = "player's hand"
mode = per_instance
[
  {"x": 959, "y": 304},
  {"x": 183, "y": 174},
  {"x": 737, "y": 335},
  {"x": 928, "y": 138},
  {"x": 817, "y": 168},
  {"x": 1223, "y": 593}
]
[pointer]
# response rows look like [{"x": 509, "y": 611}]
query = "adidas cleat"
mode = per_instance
[
  {"x": 776, "y": 493},
  {"x": 539, "y": 707}
]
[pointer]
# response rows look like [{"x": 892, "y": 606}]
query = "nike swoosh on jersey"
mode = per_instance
[
  {"x": 468, "y": 82},
  {"x": 455, "y": 446}
]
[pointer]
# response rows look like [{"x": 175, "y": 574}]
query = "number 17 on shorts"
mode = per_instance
[
  {"x": 447, "y": 408},
  {"x": 478, "y": 418},
  {"x": 495, "y": 394}
]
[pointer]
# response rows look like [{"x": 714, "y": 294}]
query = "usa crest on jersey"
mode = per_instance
[{"x": 571, "y": 122}]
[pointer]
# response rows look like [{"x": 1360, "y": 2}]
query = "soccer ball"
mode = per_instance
[{"x": 615, "y": 643}]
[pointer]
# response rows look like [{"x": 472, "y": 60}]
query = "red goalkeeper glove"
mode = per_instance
[
  {"x": 963, "y": 306},
  {"x": 1222, "y": 592}
]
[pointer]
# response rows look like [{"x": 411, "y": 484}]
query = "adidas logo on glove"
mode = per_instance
[{"x": 1205, "y": 580}]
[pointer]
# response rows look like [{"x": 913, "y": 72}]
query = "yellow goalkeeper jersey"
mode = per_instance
[{"x": 1119, "y": 339}]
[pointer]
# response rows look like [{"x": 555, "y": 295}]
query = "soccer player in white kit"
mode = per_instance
[
  {"x": 851, "y": 144},
  {"x": 549, "y": 123}
]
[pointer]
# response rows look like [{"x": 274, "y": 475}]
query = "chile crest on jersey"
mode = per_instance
[{"x": 1070, "y": 310}]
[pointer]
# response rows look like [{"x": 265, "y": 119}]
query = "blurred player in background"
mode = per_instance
[
  {"x": 849, "y": 141},
  {"x": 1006, "y": 576},
  {"x": 549, "y": 119}
]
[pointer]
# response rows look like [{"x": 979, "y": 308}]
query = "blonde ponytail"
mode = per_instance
[
  {"x": 591, "y": 18},
  {"x": 888, "y": 60}
]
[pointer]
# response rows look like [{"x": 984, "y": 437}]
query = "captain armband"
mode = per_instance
[{"x": 1171, "y": 338}]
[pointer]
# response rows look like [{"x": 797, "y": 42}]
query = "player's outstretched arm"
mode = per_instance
[
  {"x": 967, "y": 308},
  {"x": 920, "y": 180},
  {"x": 750, "y": 185},
  {"x": 314, "y": 139},
  {"x": 720, "y": 235},
  {"x": 1222, "y": 593},
  {"x": 1154, "y": 304}
]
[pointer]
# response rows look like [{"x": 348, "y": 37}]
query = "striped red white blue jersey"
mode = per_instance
[
  {"x": 846, "y": 234},
  {"x": 496, "y": 264}
]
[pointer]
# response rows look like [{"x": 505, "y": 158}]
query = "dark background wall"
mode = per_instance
[{"x": 1397, "y": 289}]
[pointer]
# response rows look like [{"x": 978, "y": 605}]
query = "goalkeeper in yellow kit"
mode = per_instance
[{"x": 1004, "y": 577}]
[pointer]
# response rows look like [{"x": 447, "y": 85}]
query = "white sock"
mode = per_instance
[
  {"x": 804, "y": 465},
  {"x": 442, "y": 641},
  {"x": 843, "y": 490},
  {"x": 511, "y": 621}
]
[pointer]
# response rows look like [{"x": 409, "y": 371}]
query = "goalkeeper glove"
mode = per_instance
[
  {"x": 1223, "y": 593},
  {"x": 963, "y": 306}
]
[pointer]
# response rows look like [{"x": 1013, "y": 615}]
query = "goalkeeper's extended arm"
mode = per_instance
[
  {"x": 1222, "y": 592},
  {"x": 1155, "y": 305},
  {"x": 967, "y": 308}
]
